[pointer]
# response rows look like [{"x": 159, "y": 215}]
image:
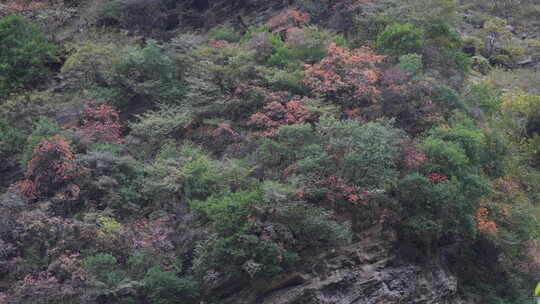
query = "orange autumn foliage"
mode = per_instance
[
  {"x": 282, "y": 108},
  {"x": 346, "y": 76},
  {"x": 288, "y": 19},
  {"x": 483, "y": 223}
]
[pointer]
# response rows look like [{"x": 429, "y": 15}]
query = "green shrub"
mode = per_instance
[
  {"x": 154, "y": 127},
  {"x": 179, "y": 175},
  {"x": 495, "y": 32},
  {"x": 165, "y": 287},
  {"x": 401, "y": 39},
  {"x": 306, "y": 46},
  {"x": 484, "y": 96},
  {"x": 11, "y": 139},
  {"x": 455, "y": 59},
  {"x": 228, "y": 213},
  {"x": 104, "y": 268},
  {"x": 273, "y": 154},
  {"x": 229, "y": 66},
  {"x": 448, "y": 100},
  {"x": 114, "y": 148},
  {"x": 312, "y": 227},
  {"x": 239, "y": 218},
  {"x": 90, "y": 63},
  {"x": 480, "y": 64},
  {"x": 445, "y": 157},
  {"x": 139, "y": 262},
  {"x": 122, "y": 176},
  {"x": 473, "y": 45},
  {"x": 28, "y": 56},
  {"x": 412, "y": 64},
  {"x": 463, "y": 132},
  {"x": 370, "y": 154},
  {"x": 242, "y": 254},
  {"x": 282, "y": 80},
  {"x": 109, "y": 12},
  {"x": 443, "y": 200},
  {"x": 363, "y": 155},
  {"x": 224, "y": 33},
  {"x": 202, "y": 176},
  {"x": 146, "y": 73},
  {"x": 431, "y": 210},
  {"x": 494, "y": 153}
]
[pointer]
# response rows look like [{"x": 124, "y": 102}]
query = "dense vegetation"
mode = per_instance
[{"x": 146, "y": 164}]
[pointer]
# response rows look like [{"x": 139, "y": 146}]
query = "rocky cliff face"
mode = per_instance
[{"x": 366, "y": 272}]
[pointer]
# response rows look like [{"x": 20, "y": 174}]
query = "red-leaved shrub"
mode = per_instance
[
  {"x": 346, "y": 77},
  {"x": 51, "y": 170},
  {"x": 282, "y": 108},
  {"x": 100, "y": 123}
]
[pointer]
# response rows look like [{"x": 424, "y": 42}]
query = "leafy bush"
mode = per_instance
[
  {"x": 472, "y": 45},
  {"x": 11, "y": 139},
  {"x": 26, "y": 59},
  {"x": 370, "y": 150},
  {"x": 201, "y": 174},
  {"x": 224, "y": 33},
  {"x": 306, "y": 45},
  {"x": 165, "y": 287},
  {"x": 229, "y": 66},
  {"x": 346, "y": 77},
  {"x": 431, "y": 210},
  {"x": 480, "y": 64},
  {"x": 444, "y": 199},
  {"x": 520, "y": 118},
  {"x": 51, "y": 170},
  {"x": 154, "y": 127},
  {"x": 114, "y": 148},
  {"x": 262, "y": 231},
  {"x": 455, "y": 59},
  {"x": 91, "y": 62},
  {"x": 445, "y": 157},
  {"x": 100, "y": 123},
  {"x": 104, "y": 268},
  {"x": 336, "y": 162},
  {"x": 448, "y": 100},
  {"x": 178, "y": 175},
  {"x": 412, "y": 64},
  {"x": 401, "y": 39},
  {"x": 139, "y": 262},
  {"x": 146, "y": 73},
  {"x": 109, "y": 12},
  {"x": 108, "y": 227},
  {"x": 114, "y": 182},
  {"x": 228, "y": 213}
]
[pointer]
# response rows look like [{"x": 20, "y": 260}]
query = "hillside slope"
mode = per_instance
[{"x": 283, "y": 152}]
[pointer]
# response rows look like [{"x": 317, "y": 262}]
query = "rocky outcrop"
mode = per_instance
[{"x": 366, "y": 272}]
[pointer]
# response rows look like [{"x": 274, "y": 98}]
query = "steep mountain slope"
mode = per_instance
[{"x": 284, "y": 152}]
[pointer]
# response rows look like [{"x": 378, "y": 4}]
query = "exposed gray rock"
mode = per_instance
[{"x": 363, "y": 273}]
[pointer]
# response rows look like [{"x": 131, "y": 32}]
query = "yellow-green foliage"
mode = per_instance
[
  {"x": 91, "y": 60},
  {"x": 473, "y": 44},
  {"x": 520, "y": 108},
  {"x": 499, "y": 44},
  {"x": 480, "y": 64},
  {"x": 108, "y": 227},
  {"x": 92, "y": 56},
  {"x": 520, "y": 118}
]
